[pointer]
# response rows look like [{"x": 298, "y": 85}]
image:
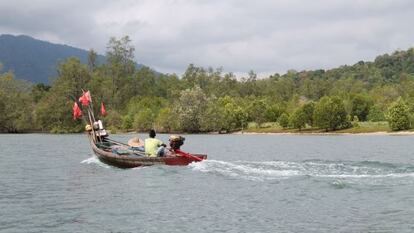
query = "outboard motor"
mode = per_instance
[{"x": 176, "y": 142}]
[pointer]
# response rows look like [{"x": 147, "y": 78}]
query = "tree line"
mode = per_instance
[{"x": 210, "y": 100}]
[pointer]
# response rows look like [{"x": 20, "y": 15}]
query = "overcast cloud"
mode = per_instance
[{"x": 266, "y": 36}]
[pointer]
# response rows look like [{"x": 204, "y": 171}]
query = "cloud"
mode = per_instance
[{"x": 265, "y": 36}]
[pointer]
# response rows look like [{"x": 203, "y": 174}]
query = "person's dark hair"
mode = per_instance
[{"x": 152, "y": 133}]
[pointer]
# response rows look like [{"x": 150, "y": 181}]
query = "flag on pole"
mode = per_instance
[
  {"x": 77, "y": 113},
  {"x": 85, "y": 99},
  {"x": 103, "y": 110},
  {"x": 88, "y": 96}
]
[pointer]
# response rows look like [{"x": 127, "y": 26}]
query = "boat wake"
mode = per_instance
[
  {"x": 95, "y": 160},
  {"x": 269, "y": 170}
]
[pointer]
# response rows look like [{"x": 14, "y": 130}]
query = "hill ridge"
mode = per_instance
[{"x": 36, "y": 60}]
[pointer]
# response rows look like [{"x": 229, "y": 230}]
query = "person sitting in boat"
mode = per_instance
[
  {"x": 153, "y": 146},
  {"x": 176, "y": 141},
  {"x": 136, "y": 144}
]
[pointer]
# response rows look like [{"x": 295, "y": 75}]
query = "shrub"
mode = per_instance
[
  {"x": 298, "y": 119},
  {"x": 398, "y": 116},
  {"x": 284, "y": 120},
  {"x": 330, "y": 114}
]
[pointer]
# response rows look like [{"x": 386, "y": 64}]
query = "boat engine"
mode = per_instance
[{"x": 176, "y": 142}]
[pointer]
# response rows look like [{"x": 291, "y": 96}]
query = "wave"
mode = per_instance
[
  {"x": 95, "y": 160},
  {"x": 268, "y": 170}
]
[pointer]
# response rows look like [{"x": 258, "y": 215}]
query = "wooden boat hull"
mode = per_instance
[{"x": 127, "y": 161}]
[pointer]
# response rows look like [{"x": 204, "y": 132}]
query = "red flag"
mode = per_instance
[
  {"x": 88, "y": 96},
  {"x": 77, "y": 113},
  {"x": 85, "y": 99},
  {"x": 103, "y": 111}
]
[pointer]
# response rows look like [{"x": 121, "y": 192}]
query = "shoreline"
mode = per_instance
[{"x": 398, "y": 133}]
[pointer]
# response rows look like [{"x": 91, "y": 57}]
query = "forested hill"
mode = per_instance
[
  {"x": 210, "y": 100},
  {"x": 35, "y": 60}
]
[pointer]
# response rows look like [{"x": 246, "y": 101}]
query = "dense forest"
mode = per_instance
[{"x": 209, "y": 100}]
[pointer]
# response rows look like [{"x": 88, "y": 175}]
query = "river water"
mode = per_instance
[{"x": 251, "y": 183}]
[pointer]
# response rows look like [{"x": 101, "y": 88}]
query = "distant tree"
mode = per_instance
[
  {"x": 120, "y": 55},
  {"x": 190, "y": 109},
  {"x": 308, "y": 110},
  {"x": 298, "y": 119},
  {"x": 273, "y": 112},
  {"x": 92, "y": 60},
  {"x": 214, "y": 118},
  {"x": 120, "y": 67},
  {"x": 15, "y": 106},
  {"x": 146, "y": 83},
  {"x": 113, "y": 120},
  {"x": 137, "y": 104},
  {"x": 284, "y": 120},
  {"x": 144, "y": 120},
  {"x": 73, "y": 76},
  {"x": 376, "y": 114},
  {"x": 195, "y": 77},
  {"x": 330, "y": 114},
  {"x": 235, "y": 116},
  {"x": 250, "y": 85},
  {"x": 398, "y": 116},
  {"x": 39, "y": 91},
  {"x": 54, "y": 110},
  {"x": 166, "y": 121},
  {"x": 2, "y": 112},
  {"x": 257, "y": 111},
  {"x": 360, "y": 107},
  {"x": 127, "y": 122}
]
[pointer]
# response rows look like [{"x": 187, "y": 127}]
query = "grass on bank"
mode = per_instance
[
  {"x": 359, "y": 127},
  {"x": 368, "y": 127}
]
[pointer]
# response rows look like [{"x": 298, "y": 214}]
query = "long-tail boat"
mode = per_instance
[
  {"x": 119, "y": 155},
  {"x": 122, "y": 155}
]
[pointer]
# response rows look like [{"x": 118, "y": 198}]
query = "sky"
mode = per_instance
[{"x": 266, "y": 36}]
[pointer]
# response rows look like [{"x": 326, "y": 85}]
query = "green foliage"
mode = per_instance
[
  {"x": 376, "y": 114},
  {"x": 144, "y": 120},
  {"x": 235, "y": 116},
  {"x": 127, "y": 122},
  {"x": 15, "y": 106},
  {"x": 284, "y": 120},
  {"x": 113, "y": 120},
  {"x": 308, "y": 110},
  {"x": 53, "y": 112},
  {"x": 136, "y": 104},
  {"x": 298, "y": 119},
  {"x": 120, "y": 67},
  {"x": 360, "y": 107},
  {"x": 214, "y": 119},
  {"x": 166, "y": 121},
  {"x": 398, "y": 116},
  {"x": 39, "y": 91},
  {"x": 190, "y": 109},
  {"x": 257, "y": 111},
  {"x": 206, "y": 99},
  {"x": 330, "y": 114},
  {"x": 92, "y": 60},
  {"x": 273, "y": 112}
]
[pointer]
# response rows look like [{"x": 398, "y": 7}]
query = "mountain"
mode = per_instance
[{"x": 35, "y": 60}]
